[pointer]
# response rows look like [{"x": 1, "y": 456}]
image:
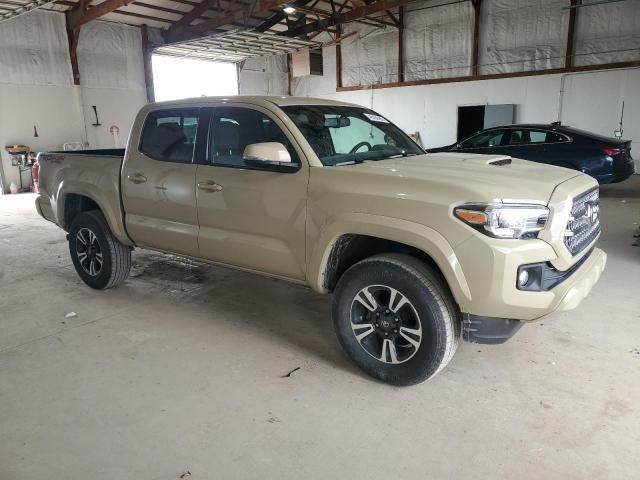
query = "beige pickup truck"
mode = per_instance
[{"x": 418, "y": 250}]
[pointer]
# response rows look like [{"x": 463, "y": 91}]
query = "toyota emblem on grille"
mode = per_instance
[{"x": 593, "y": 210}]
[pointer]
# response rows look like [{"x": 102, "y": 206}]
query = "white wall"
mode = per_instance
[
  {"x": 591, "y": 100},
  {"x": 263, "y": 76},
  {"x": 515, "y": 35},
  {"x": 36, "y": 84}
]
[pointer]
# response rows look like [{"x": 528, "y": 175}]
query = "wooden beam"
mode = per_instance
[
  {"x": 393, "y": 18},
  {"x": 475, "y": 52},
  {"x": 237, "y": 14},
  {"x": 73, "y": 34},
  {"x": 147, "y": 52},
  {"x": 193, "y": 14},
  {"x": 100, "y": 10},
  {"x": 568, "y": 60},
  {"x": 401, "y": 44},
  {"x": 338, "y": 40},
  {"x": 289, "y": 74},
  {"x": 349, "y": 16},
  {"x": 338, "y": 58},
  {"x": 494, "y": 76}
]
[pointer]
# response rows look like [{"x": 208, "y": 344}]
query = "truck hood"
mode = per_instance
[{"x": 491, "y": 177}]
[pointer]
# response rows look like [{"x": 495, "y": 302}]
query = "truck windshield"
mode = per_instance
[{"x": 346, "y": 135}]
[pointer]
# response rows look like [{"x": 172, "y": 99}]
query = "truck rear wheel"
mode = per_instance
[
  {"x": 99, "y": 258},
  {"x": 396, "y": 318}
]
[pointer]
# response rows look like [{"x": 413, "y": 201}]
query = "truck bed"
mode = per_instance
[{"x": 91, "y": 177}]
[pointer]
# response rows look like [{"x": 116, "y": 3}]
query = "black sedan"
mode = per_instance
[{"x": 608, "y": 160}]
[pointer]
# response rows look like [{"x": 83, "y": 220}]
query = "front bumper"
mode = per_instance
[
  {"x": 491, "y": 269},
  {"x": 566, "y": 296}
]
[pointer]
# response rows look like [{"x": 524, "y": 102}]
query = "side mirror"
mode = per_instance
[{"x": 272, "y": 156}]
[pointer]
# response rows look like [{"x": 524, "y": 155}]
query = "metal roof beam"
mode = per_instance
[
  {"x": 347, "y": 17},
  {"x": 237, "y": 14}
]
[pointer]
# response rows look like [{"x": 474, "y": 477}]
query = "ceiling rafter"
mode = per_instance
[
  {"x": 96, "y": 12},
  {"x": 182, "y": 32},
  {"x": 347, "y": 17},
  {"x": 194, "y": 13}
]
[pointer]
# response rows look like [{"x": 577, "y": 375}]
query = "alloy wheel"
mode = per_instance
[
  {"x": 386, "y": 324},
  {"x": 89, "y": 252}
]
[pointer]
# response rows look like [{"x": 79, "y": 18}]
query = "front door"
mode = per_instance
[
  {"x": 159, "y": 180},
  {"x": 486, "y": 143},
  {"x": 251, "y": 218}
]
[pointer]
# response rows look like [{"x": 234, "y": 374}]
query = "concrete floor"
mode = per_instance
[{"x": 180, "y": 370}]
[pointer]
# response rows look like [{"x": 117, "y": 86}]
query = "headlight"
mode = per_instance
[{"x": 504, "y": 220}]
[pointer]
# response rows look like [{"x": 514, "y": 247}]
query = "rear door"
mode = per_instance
[
  {"x": 536, "y": 145},
  {"x": 158, "y": 182},
  {"x": 251, "y": 218}
]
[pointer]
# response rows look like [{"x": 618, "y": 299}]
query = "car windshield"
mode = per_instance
[{"x": 341, "y": 135}]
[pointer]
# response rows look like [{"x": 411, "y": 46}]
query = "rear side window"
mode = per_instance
[
  {"x": 528, "y": 137},
  {"x": 553, "y": 137},
  {"x": 170, "y": 135}
]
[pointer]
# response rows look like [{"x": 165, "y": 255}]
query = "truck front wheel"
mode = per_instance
[
  {"x": 99, "y": 258},
  {"x": 396, "y": 318}
]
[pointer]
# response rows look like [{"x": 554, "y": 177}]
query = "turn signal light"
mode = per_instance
[{"x": 471, "y": 216}]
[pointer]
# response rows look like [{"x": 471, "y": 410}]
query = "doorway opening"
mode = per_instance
[
  {"x": 474, "y": 118},
  {"x": 176, "y": 78}
]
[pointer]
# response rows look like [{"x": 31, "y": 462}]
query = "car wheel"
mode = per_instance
[
  {"x": 396, "y": 318},
  {"x": 98, "y": 257}
]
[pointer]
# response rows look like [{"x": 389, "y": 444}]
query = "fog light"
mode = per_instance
[{"x": 523, "y": 278}]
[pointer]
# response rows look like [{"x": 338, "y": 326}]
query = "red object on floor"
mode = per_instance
[{"x": 34, "y": 175}]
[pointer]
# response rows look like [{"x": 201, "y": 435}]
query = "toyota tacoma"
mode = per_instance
[{"x": 418, "y": 250}]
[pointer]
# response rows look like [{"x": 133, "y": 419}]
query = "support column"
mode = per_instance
[
  {"x": 401, "y": 44},
  {"x": 475, "y": 57},
  {"x": 338, "y": 57},
  {"x": 147, "y": 52},
  {"x": 568, "y": 60},
  {"x": 73, "y": 34}
]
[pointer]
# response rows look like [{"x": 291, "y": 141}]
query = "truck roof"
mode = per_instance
[{"x": 281, "y": 101}]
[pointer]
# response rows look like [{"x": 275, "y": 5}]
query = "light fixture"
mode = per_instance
[
  {"x": 523, "y": 278},
  {"x": 289, "y": 10}
]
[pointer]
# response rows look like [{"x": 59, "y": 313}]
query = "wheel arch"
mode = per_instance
[
  {"x": 357, "y": 236},
  {"x": 72, "y": 202}
]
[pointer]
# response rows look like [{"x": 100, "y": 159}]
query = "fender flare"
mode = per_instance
[
  {"x": 113, "y": 216},
  {"x": 397, "y": 230}
]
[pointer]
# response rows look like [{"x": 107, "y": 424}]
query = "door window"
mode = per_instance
[
  {"x": 489, "y": 139},
  {"x": 170, "y": 135},
  {"x": 233, "y": 128}
]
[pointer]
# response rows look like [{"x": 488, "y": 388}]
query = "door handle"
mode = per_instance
[
  {"x": 210, "y": 187},
  {"x": 136, "y": 178}
]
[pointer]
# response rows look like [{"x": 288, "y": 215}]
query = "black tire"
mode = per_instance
[
  {"x": 115, "y": 257},
  {"x": 439, "y": 319}
]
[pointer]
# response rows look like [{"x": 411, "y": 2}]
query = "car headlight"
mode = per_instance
[{"x": 504, "y": 220}]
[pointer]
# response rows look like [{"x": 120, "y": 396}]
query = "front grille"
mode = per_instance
[{"x": 584, "y": 222}]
